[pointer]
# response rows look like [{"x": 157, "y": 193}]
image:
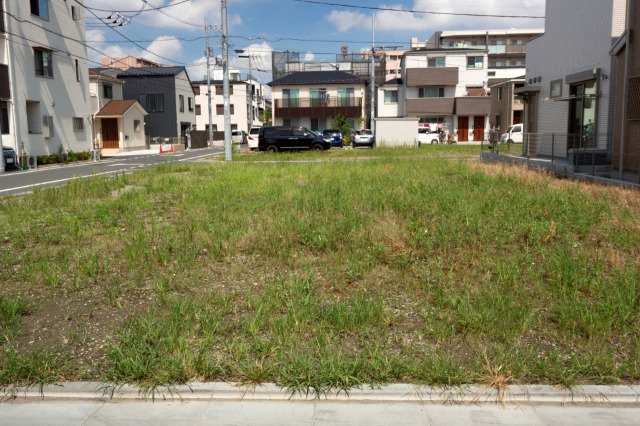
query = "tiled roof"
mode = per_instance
[
  {"x": 116, "y": 108},
  {"x": 151, "y": 72},
  {"x": 317, "y": 77}
]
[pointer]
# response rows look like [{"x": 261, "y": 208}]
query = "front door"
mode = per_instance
[
  {"x": 463, "y": 129},
  {"x": 478, "y": 129},
  {"x": 110, "y": 134}
]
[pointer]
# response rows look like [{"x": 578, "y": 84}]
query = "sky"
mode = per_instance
[{"x": 258, "y": 26}]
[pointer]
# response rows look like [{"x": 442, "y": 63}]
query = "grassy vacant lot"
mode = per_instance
[{"x": 322, "y": 276}]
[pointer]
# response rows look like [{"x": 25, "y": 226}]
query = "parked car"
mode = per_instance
[
  {"x": 276, "y": 139},
  {"x": 333, "y": 136},
  {"x": 513, "y": 135},
  {"x": 427, "y": 136},
  {"x": 238, "y": 136},
  {"x": 10, "y": 158},
  {"x": 363, "y": 138},
  {"x": 253, "y": 138}
]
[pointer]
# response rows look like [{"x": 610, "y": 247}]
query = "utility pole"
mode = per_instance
[
  {"x": 208, "y": 51},
  {"x": 250, "y": 117},
  {"x": 225, "y": 58},
  {"x": 1, "y": 146},
  {"x": 372, "y": 75}
]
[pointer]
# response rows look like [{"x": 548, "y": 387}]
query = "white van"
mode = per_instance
[
  {"x": 513, "y": 135},
  {"x": 253, "y": 138}
]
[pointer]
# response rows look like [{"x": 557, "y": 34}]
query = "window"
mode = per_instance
[
  {"x": 220, "y": 90},
  {"x": 107, "y": 91},
  {"x": 234, "y": 127},
  {"x": 43, "y": 62},
  {"x": 34, "y": 123},
  {"x": 40, "y": 8},
  {"x": 492, "y": 73},
  {"x": 220, "y": 109},
  {"x": 555, "y": 89},
  {"x": 190, "y": 104},
  {"x": 74, "y": 13},
  {"x": 77, "y": 64},
  {"x": 437, "y": 62},
  {"x": 475, "y": 62},
  {"x": 137, "y": 125},
  {"x": 431, "y": 92},
  {"x": 4, "y": 117},
  {"x": 390, "y": 96},
  {"x": 155, "y": 103},
  {"x": 78, "y": 124},
  {"x": 499, "y": 93},
  {"x": 198, "y": 110},
  {"x": 47, "y": 126},
  {"x": 181, "y": 100},
  {"x": 214, "y": 127}
]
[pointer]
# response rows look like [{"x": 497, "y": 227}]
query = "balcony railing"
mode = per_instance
[{"x": 319, "y": 107}]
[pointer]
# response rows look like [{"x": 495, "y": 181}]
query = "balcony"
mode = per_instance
[
  {"x": 431, "y": 106},
  {"x": 445, "y": 76},
  {"x": 473, "y": 105},
  {"x": 318, "y": 108}
]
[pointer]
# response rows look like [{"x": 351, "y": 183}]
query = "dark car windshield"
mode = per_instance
[{"x": 330, "y": 132}]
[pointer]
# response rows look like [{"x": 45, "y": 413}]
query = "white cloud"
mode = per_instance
[
  {"x": 345, "y": 20},
  {"x": 309, "y": 57},
  {"x": 165, "y": 46}
]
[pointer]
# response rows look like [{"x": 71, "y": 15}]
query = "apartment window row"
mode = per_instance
[
  {"x": 475, "y": 62},
  {"x": 500, "y": 63},
  {"x": 40, "y": 8},
  {"x": 431, "y": 92},
  {"x": 220, "y": 90}
]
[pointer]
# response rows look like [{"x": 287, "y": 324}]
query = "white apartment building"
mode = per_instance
[
  {"x": 313, "y": 99},
  {"x": 247, "y": 98},
  {"x": 507, "y": 48},
  {"x": 45, "y": 83},
  {"x": 447, "y": 88},
  {"x": 569, "y": 72}
]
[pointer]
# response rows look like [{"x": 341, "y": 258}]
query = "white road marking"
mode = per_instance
[
  {"x": 35, "y": 185},
  {"x": 213, "y": 154}
]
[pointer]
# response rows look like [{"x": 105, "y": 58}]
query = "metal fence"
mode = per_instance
[{"x": 563, "y": 153}]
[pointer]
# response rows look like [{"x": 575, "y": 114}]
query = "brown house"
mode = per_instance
[
  {"x": 507, "y": 108},
  {"x": 625, "y": 113}
]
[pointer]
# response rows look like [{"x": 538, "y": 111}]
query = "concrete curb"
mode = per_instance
[{"x": 399, "y": 393}]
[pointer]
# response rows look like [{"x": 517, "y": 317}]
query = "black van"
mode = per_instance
[{"x": 276, "y": 139}]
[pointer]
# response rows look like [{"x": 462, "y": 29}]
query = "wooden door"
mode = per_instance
[
  {"x": 478, "y": 129},
  {"x": 463, "y": 129},
  {"x": 110, "y": 134}
]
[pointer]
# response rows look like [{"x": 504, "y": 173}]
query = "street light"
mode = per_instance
[{"x": 241, "y": 55}]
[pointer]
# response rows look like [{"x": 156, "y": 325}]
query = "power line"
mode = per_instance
[
  {"x": 162, "y": 12},
  {"x": 420, "y": 12},
  {"x": 151, "y": 8},
  {"x": 124, "y": 36}
]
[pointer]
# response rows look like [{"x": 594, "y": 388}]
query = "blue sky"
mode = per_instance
[{"x": 163, "y": 33}]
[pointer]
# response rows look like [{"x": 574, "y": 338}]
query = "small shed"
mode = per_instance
[{"x": 119, "y": 126}]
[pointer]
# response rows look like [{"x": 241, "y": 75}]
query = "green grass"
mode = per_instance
[
  {"x": 322, "y": 277},
  {"x": 348, "y": 153}
]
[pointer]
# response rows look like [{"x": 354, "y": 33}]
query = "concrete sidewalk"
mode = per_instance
[{"x": 228, "y": 404}]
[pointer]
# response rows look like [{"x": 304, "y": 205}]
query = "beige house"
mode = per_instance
[
  {"x": 119, "y": 126},
  {"x": 313, "y": 99}
]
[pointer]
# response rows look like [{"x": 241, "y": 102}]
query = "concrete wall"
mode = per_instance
[
  {"x": 396, "y": 132},
  {"x": 239, "y": 100},
  {"x": 61, "y": 97},
  {"x": 389, "y": 109}
]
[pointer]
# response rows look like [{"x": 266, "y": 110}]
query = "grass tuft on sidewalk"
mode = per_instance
[{"x": 322, "y": 277}]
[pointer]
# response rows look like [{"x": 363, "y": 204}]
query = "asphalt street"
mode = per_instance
[
  {"x": 15, "y": 183},
  {"x": 281, "y": 413}
]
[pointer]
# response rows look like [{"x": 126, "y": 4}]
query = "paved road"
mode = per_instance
[
  {"x": 282, "y": 413},
  {"x": 13, "y": 183}
]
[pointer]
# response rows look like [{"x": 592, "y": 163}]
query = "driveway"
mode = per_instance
[{"x": 15, "y": 183}]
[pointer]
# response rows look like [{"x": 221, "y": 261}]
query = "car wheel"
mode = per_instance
[
  {"x": 272, "y": 148},
  {"x": 317, "y": 147}
]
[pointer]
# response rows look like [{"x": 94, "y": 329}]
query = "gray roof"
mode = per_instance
[
  {"x": 152, "y": 72},
  {"x": 317, "y": 77}
]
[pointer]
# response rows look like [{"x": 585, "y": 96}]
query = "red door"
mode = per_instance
[
  {"x": 110, "y": 136},
  {"x": 478, "y": 129},
  {"x": 463, "y": 129}
]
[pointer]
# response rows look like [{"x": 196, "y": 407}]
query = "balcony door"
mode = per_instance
[
  {"x": 345, "y": 96},
  {"x": 318, "y": 97},
  {"x": 291, "y": 98}
]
